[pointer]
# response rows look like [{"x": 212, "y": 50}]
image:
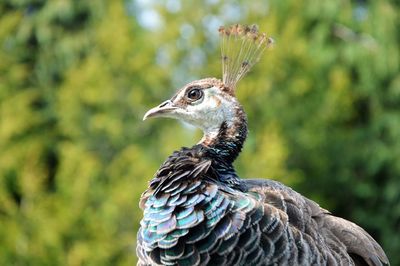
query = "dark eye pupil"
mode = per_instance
[{"x": 194, "y": 94}]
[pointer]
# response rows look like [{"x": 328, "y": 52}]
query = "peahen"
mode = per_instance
[{"x": 197, "y": 211}]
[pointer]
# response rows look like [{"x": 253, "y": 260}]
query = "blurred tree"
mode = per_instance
[
  {"x": 71, "y": 170},
  {"x": 77, "y": 76}
]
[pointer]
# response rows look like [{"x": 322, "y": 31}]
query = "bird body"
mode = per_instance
[{"x": 197, "y": 211}]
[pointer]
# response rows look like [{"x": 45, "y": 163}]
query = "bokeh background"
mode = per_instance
[{"x": 76, "y": 78}]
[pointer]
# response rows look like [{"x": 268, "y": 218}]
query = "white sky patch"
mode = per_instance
[
  {"x": 173, "y": 6},
  {"x": 150, "y": 19},
  {"x": 187, "y": 31}
]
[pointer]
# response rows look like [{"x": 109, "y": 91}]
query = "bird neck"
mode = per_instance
[{"x": 228, "y": 139}]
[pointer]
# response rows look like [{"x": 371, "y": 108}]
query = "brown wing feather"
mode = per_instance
[
  {"x": 310, "y": 219},
  {"x": 357, "y": 241}
]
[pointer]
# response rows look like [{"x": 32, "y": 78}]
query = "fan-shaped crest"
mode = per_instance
[{"x": 241, "y": 48}]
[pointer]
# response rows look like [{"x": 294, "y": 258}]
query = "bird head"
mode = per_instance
[
  {"x": 204, "y": 103},
  {"x": 210, "y": 103}
]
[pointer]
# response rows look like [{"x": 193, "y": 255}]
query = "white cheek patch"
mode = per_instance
[
  {"x": 212, "y": 111},
  {"x": 209, "y": 105}
]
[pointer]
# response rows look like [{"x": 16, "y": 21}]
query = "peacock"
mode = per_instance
[{"x": 197, "y": 211}]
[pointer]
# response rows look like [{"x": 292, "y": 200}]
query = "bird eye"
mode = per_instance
[{"x": 194, "y": 94}]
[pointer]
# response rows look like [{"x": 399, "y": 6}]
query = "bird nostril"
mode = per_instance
[{"x": 164, "y": 103}]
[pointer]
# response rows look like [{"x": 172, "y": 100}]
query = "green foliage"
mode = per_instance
[{"x": 77, "y": 76}]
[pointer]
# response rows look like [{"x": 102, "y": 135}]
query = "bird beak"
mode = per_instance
[{"x": 165, "y": 109}]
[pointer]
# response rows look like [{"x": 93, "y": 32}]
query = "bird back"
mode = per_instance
[{"x": 192, "y": 218}]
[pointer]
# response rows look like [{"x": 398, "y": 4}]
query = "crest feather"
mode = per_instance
[{"x": 241, "y": 48}]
